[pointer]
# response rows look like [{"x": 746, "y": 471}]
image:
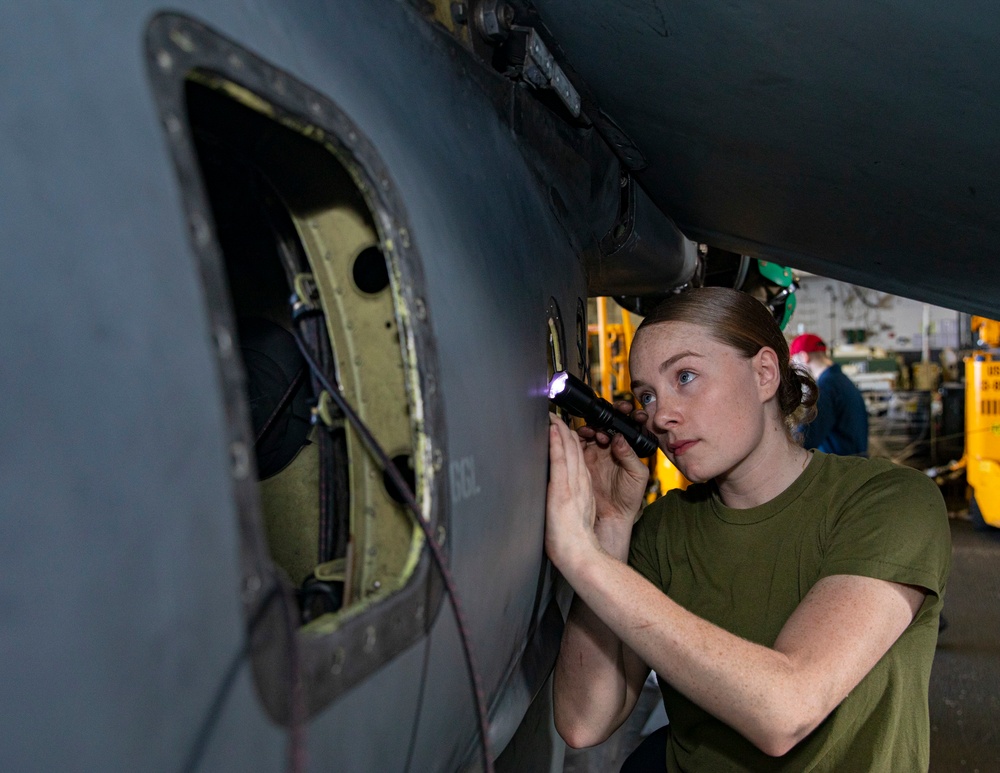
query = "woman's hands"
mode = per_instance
[
  {"x": 596, "y": 485},
  {"x": 570, "y": 508},
  {"x": 619, "y": 476}
]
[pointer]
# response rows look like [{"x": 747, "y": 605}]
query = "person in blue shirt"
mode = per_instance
[{"x": 841, "y": 423}]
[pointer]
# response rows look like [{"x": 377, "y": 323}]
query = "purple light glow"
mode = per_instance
[{"x": 557, "y": 384}]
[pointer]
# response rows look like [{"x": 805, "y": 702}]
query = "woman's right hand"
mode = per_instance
[{"x": 619, "y": 476}]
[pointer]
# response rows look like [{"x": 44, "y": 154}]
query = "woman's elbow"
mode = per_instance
[
  {"x": 578, "y": 735},
  {"x": 577, "y": 741},
  {"x": 777, "y": 732},
  {"x": 581, "y": 730},
  {"x": 780, "y": 735}
]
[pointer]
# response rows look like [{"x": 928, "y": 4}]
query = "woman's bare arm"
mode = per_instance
[
  {"x": 776, "y": 696},
  {"x": 597, "y": 679}
]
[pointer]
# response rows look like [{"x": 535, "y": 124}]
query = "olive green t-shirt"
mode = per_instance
[{"x": 747, "y": 570}]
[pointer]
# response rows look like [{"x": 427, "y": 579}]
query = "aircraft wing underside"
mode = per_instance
[{"x": 855, "y": 140}]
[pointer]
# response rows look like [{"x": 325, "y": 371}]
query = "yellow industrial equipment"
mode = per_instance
[
  {"x": 613, "y": 340},
  {"x": 982, "y": 426}
]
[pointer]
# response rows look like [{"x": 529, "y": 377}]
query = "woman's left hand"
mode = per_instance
[{"x": 570, "y": 509}]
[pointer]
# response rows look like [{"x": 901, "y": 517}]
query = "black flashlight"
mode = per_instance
[{"x": 567, "y": 391}]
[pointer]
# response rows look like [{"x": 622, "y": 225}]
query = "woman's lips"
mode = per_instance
[{"x": 679, "y": 448}]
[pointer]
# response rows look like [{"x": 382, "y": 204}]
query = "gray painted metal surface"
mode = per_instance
[
  {"x": 121, "y": 617},
  {"x": 121, "y": 613},
  {"x": 855, "y": 140}
]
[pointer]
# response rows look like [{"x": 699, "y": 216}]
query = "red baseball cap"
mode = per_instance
[{"x": 807, "y": 342}]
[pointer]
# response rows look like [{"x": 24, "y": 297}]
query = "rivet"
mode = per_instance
[
  {"x": 235, "y": 61},
  {"x": 339, "y": 657},
  {"x": 251, "y": 585},
  {"x": 223, "y": 341},
  {"x": 164, "y": 60},
  {"x": 199, "y": 229},
  {"x": 182, "y": 40},
  {"x": 173, "y": 125},
  {"x": 240, "y": 458}
]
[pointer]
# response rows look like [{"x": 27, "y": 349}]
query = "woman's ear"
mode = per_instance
[{"x": 768, "y": 373}]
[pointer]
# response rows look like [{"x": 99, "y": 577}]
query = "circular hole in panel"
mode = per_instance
[
  {"x": 370, "y": 273},
  {"x": 404, "y": 464}
]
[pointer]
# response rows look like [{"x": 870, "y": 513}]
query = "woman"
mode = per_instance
[{"x": 788, "y": 601}]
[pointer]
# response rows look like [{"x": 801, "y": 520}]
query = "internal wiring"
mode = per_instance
[
  {"x": 285, "y": 398},
  {"x": 371, "y": 444}
]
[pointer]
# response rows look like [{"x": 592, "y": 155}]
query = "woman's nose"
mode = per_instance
[{"x": 664, "y": 416}]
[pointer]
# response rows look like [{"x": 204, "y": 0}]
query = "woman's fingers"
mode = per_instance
[
  {"x": 627, "y": 457},
  {"x": 564, "y": 449},
  {"x": 604, "y": 438},
  {"x": 594, "y": 435}
]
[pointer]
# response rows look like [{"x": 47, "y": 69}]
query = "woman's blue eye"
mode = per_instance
[
  {"x": 685, "y": 376},
  {"x": 645, "y": 399}
]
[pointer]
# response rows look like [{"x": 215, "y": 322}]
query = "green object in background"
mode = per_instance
[
  {"x": 789, "y": 310},
  {"x": 780, "y": 275},
  {"x": 782, "y": 303}
]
